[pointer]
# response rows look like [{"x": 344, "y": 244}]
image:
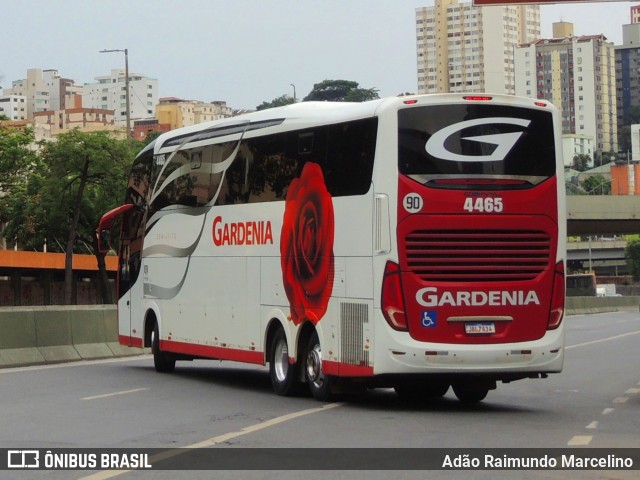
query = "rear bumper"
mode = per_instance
[{"x": 397, "y": 353}]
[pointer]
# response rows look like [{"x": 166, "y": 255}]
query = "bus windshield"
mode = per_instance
[{"x": 491, "y": 141}]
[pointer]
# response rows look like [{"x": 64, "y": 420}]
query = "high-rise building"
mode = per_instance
[
  {"x": 462, "y": 48},
  {"x": 110, "y": 93},
  {"x": 576, "y": 74},
  {"x": 628, "y": 78}
]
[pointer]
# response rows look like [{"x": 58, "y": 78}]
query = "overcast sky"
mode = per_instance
[{"x": 241, "y": 51}]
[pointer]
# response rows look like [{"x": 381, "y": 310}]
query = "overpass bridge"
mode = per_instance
[{"x": 603, "y": 215}]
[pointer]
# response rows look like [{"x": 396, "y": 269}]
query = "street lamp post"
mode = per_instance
[
  {"x": 126, "y": 85},
  {"x": 294, "y": 92}
]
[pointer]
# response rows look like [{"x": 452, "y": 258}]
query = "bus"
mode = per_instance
[{"x": 415, "y": 243}]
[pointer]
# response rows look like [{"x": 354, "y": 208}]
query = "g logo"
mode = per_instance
[{"x": 504, "y": 141}]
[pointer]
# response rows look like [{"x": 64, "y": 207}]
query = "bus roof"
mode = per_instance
[{"x": 308, "y": 114}]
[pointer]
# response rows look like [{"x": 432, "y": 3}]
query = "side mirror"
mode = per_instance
[{"x": 104, "y": 241}]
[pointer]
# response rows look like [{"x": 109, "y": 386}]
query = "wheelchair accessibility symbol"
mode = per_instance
[{"x": 429, "y": 319}]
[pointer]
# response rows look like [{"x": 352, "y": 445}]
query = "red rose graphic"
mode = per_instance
[{"x": 306, "y": 245}]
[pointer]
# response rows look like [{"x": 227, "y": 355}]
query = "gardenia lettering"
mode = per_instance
[
  {"x": 241, "y": 233},
  {"x": 429, "y": 297}
]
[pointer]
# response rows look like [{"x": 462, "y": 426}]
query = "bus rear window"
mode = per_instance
[{"x": 441, "y": 143}]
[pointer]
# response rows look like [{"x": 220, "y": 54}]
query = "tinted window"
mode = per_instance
[{"x": 478, "y": 139}]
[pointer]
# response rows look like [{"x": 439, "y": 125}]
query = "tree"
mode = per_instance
[
  {"x": 340, "y": 91},
  {"x": 281, "y": 101},
  {"x": 597, "y": 185},
  {"x": 581, "y": 162},
  {"x": 85, "y": 177},
  {"x": 632, "y": 254}
]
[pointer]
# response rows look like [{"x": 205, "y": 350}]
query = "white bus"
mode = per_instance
[{"x": 411, "y": 242}]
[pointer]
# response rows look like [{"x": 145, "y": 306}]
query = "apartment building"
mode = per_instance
[
  {"x": 463, "y": 48},
  {"x": 628, "y": 75},
  {"x": 13, "y": 107},
  {"x": 109, "y": 93},
  {"x": 177, "y": 112},
  {"x": 576, "y": 74}
]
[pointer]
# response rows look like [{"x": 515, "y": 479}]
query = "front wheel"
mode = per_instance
[
  {"x": 283, "y": 374},
  {"x": 319, "y": 384},
  {"x": 164, "y": 362}
]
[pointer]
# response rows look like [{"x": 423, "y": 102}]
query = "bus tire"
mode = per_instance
[
  {"x": 470, "y": 394},
  {"x": 319, "y": 384},
  {"x": 163, "y": 361},
  {"x": 284, "y": 378}
]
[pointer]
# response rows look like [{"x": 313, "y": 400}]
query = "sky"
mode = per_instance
[{"x": 243, "y": 52}]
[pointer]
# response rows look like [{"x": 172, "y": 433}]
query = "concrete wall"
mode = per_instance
[{"x": 53, "y": 334}]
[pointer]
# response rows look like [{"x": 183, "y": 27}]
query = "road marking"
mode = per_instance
[
  {"x": 219, "y": 439},
  {"x": 592, "y": 342},
  {"x": 580, "y": 440},
  {"x": 633, "y": 390},
  {"x": 114, "y": 394},
  {"x": 592, "y": 425},
  {"x": 620, "y": 400},
  {"x": 607, "y": 411}
]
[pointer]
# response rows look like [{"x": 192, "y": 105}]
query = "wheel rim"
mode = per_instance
[
  {"x": 281, "y": 361},
  {"x": 314, "y": 366}
]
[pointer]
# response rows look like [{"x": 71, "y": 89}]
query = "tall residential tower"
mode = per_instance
[{"x": 462, "y": 48}]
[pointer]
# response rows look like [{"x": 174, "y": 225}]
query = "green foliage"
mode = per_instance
[
  {"x": 581, "y": 162},
  {"x": 340, "y": 91},
  {"x": 632, "y": 254},
  {"x": 281, "y": 101},
  {"x": 42, "y": 202},
  {"x": 597, "y": 185}
]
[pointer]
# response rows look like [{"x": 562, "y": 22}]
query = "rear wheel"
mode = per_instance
[
  {"x": 283, "y": 374},
  {"x": 163, "y": 361},
  {"x": 470, "y": 394},
  {"x": 319, "y": 384}
]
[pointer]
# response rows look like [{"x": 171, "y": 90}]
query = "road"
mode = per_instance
[{"x": 124, "y": 403}]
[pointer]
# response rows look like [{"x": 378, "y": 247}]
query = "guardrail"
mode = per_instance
[{"x": 56, "y": 334}]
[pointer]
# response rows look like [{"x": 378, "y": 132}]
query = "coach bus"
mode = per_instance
[
  {"x": 581, "y": 285},
  {"x": 415, "y": 243}
]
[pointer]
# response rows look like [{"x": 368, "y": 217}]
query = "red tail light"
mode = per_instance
[
  {"x": 557, "y": 298},
  {"x": 392, "y": 301}
]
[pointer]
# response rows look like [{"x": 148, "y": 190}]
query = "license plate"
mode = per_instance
[{"x": 480, "y": 328}]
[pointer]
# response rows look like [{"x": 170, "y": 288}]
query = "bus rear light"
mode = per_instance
[
  {"x": 557, "y": 298},
  {"x": 540, "y": 104},
  {"x": 410, "y": 102},
  {"x": 477, "y": 98},
  {"x": 392, "y": 299},
  {"x": 478, "y": 181}
]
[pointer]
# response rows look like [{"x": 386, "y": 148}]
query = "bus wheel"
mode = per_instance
[
  {"x": 282, "y": 373},
  {"x": 470, "y": 394},
  {"x": 422, "y": 390},
  {"x": 163, "y": 361},
  {"x": 319, "y": 384}
]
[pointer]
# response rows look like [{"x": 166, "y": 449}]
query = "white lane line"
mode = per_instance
[
  {"x": 580, "y": 440},
  {"x": 219, "y": 439},
  {"x": 114, "y": 394},
  {"x": 632, "y": 391},
  {"x": 569, "y": 347},
  {"x": 620, "y": 400},
  {"x": 592, "y": 425},
  {"x": 607, "y": 411}
]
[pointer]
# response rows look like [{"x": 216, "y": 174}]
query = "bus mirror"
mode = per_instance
[{"x": 104, "y": 240}]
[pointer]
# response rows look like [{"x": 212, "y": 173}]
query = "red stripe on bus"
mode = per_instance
[
  {"x": 209, "y": 351},
  {"x": 343, "y": 370},
  {"x": 130, "y": 341}
]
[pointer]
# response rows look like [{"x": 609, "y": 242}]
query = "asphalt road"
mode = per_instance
[{"x": 124, "y": 403}]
